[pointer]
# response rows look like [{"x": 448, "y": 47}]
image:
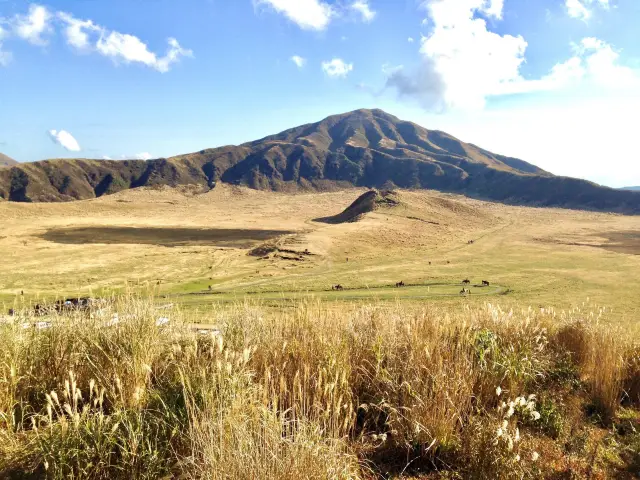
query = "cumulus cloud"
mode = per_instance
[
  {"x": 77, "y": 31},
  {"x": 337, "y": 68},
  {"x": 143, "y": 156},
  {"x": 594, "y": 63},
  {"x": 33, "y": 26},
  {"x": 583, "y": 9},
  {"x": 307, "y": 14},
  {"x": 87, "y": 36},
  {"x": 364, "y": 10},
  {"x": 463, "y": 62},
  {"x": 299, "y": 61},
  {"x": 65, "y": 140},
  {"x": 410, "y": 40}
]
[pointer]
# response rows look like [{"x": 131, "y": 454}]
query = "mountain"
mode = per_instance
[
  {"x": 367, "y": 148},
  {"x": 631, "y": 188},
  {"x": 6, "y": 161}
]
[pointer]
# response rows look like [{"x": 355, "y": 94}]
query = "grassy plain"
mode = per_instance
[
  {"x": 194, "y": 249},
  {"x": 529, "y": 377}
]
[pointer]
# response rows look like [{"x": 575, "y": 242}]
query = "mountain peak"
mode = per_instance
[{"x": 363, "y": 148}]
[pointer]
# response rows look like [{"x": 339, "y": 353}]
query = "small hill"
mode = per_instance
[
  {"x": 6, "y": 161},
  {"x": 635, "y": 189},
  {"x": 365, "y": 203},
  {"x": 363, "y": 148}
]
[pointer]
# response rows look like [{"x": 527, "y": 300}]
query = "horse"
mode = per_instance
[
  {"x": 485, "y": 283},
  {"x": 337, "y": 287},
  {"x": 399, "y": 284},
  {"x": 466, "y": 282},
  {"x": 465, "y": 291}
]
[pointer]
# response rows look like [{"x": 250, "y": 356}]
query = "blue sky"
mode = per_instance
[{"x": 556, "y": 83}]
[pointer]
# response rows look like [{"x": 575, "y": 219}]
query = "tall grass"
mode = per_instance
[{"x": 307, "y": 392}]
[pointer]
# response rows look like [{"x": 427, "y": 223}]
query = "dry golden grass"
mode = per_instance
[
  {"x": 317, "y": 392},
  {"x": 542, "y": 257}
]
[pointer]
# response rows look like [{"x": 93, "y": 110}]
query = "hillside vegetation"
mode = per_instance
[
  {"x": 127, "y": 391},
  {"x": 364, "y": 148},
  {"x": 6, "y": 161}
]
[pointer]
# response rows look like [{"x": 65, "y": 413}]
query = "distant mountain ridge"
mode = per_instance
[
  {"x": 6, "y": 161},
  {"x": 631, "y": 188},
  {"x": 366, "y": 148}
]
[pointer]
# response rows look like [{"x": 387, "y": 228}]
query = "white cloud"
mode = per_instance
[
  {"x": 337, "y": 68},
  {"x": 65, "y": 140},
  {"x": 364, "y": 10},
  {"x": 120, "y": 47},
  {"x": 410, "y": 40},
  {"x": 307, "y": 14},
  {"x": 143, "y": 156},
  {"x": 85, "y": 35},
  {"x": 77, "y": 31},
  {"x": 299, "y": 61},
  {"x": 130, "y": 49},
  {"x": 34, "y": 25},
  {"x": 462, "y": 61},
  {"x": 594, "y": 64},
  {"x": 391, "y": 69},
  {"x": 583, "y": 9}
]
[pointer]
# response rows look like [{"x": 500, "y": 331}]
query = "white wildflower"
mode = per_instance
[
  {"x": 498, "y": 391},
  {"x": 535, "y": 415},
  {"x": 535, "y": 456}
]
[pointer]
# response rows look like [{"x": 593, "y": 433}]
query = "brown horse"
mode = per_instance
[
  {"x": 337, "y": 287},
  {"x": 399, "y": 284},
  {"x": 485, "y": 283},
  {"x": 466, "y": 282},
  {"x": 465, "y": 291}
]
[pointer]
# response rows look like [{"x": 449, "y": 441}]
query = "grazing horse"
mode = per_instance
[
  {"x": 337, "y": 287},
  {"x": 485, "y": 283},
  {"x": 466, "y": 282},
  {"x": 465, "y": 291},
  {"x": 399, "y": 284}
]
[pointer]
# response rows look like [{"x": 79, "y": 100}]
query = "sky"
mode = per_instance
[{"x": 553, "y": 82}]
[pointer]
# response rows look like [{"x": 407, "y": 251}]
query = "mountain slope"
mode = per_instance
[
  {"x": 6, "y": 161},
  {"x": 631, "y": 188},
  {"x": 367, "y": 148}
]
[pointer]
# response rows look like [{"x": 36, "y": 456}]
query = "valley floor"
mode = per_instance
[{"x": 195, "y": 248}]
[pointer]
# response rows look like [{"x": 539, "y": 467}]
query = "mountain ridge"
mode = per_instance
[
  {"x": 364, "y": 148},
  {"x": 6, "y": 161}
]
